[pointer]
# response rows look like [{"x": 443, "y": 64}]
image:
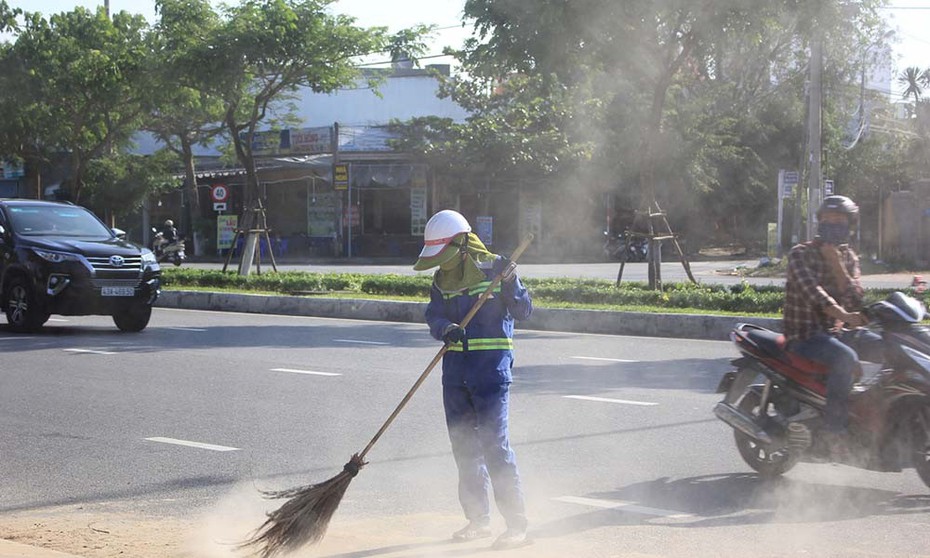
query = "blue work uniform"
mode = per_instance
[{"x": 476, "y": 378}]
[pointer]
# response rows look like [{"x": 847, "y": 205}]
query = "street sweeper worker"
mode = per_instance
[{"x": 476, "y": 370}]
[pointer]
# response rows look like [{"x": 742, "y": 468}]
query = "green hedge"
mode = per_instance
[{"x": 740, "y": 298}]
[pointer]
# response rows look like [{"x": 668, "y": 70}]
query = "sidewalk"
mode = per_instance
[{"x": 10, "y": 549}]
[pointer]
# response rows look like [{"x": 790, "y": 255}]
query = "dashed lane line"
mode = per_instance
[
  {"x": 604, "y": 359},
  {"x": 623, "y": 506},
  {"x": 608, "y": 400},
  {"x": 310, "y": 372},
  {"x": 360, "y": 342},
  {"x": 188, "y": 443},
  {"x": 89, "y": 352},
  {"x": 186, "y": 328}
]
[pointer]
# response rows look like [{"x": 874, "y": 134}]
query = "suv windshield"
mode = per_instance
[{"x": 38, "y": 220}]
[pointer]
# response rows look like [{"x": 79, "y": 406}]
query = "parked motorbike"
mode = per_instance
[
  {"x": 616, "y": 248},
  {"x": 166, "y": 251},
  {"x": 777, "y": 422}
]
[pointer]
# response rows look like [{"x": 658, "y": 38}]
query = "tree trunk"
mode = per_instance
[
  {"x": 190, "y": 176},
  {"x": 33, "y": 170}
]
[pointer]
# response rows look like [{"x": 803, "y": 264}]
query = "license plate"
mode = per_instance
[{"x": 117, "y": 291}]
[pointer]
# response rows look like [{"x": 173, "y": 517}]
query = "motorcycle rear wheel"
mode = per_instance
[
  {"x": 921, "y": 443},
  {"x": 769, "y": 460}
]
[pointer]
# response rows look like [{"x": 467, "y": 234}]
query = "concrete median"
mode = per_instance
[{"x": 683, "y": 326}]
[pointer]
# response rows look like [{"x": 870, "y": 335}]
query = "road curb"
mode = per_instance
[{"x": 682, "y": 326}]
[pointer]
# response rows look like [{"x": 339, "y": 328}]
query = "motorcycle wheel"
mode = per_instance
[
  {"x": 176, "y": 261},
  {"x": 767, "y": 460},
  {"x": 921, "y": 443}
]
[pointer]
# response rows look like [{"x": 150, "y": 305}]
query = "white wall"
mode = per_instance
[{"x": 401, "y": 98}]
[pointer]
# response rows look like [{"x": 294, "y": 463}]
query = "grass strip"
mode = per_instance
[{"x": 596, "y": 294}]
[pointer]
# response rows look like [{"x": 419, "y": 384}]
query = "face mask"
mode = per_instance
[{"x": 833, "y": 233}]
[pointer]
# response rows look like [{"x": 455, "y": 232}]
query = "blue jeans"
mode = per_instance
[{"x": 841, "y": 355}]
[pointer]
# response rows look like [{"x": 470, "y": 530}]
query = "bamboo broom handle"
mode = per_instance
[{"x": 468, "y": 317}]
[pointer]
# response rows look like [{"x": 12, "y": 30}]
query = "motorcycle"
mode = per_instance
[
  {"x": 166, "y": 251},
  {"x": 616, "y": 248},
  {"x": 777, "y": 421}
]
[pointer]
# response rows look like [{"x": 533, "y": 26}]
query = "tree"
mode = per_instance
[
  {"x": 683, "y": 85},
  {"x": 263, "y": 50},
  {"x": 118, "y": 184},
  {"x": 183, "y": 112},
  {"x": 80, "y": 81}
]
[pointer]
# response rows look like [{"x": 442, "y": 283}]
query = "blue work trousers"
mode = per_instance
[
  {"x": 476, "y": 416},
  {"x": 841, "y": 355}
]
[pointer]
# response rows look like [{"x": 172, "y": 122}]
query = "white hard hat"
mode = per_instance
[
  {"x": 441, "y": 229},
  {"x": 169, "y": 223}
]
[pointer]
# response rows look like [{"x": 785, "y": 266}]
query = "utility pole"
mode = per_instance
[{"x": 814, "y": 129}]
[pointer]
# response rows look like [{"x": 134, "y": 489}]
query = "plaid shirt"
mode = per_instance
[{"x": 811, "y": 287}]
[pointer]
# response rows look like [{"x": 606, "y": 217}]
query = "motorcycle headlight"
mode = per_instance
[
  {"x": 55, "y": 257},
  {"x": 148, "y": 257}
]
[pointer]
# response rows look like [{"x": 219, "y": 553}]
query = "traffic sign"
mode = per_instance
[
  {"x": 219, "y": 206},
  {"x": 219, "y": 193}
]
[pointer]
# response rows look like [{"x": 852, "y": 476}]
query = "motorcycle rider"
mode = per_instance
[
  {"x": 476, "y": 371},
  {"x": 823, "y": 292},
  {"x": 169, "y": 233}
]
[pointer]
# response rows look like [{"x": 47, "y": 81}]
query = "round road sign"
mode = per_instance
[{"x": 219, "y": 192}]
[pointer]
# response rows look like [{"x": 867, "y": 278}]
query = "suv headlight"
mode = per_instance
[
  {"x": 55, "y": 257},
  {"x": 148, "y": 257}
]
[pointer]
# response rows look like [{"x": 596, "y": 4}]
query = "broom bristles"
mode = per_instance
[{"x": 303, "y": 519}]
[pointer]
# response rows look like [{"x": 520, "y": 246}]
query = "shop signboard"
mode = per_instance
[
  {"x": 226, "y": 231},
  {"x": 418, "y": 216},
  {"x": 311, "y": 141},
  {"x": 341, "y": 176}
]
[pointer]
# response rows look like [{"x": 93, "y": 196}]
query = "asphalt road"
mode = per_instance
[
  {"x": 712, "y": 272},
  {"x": 615, "y": 438}
]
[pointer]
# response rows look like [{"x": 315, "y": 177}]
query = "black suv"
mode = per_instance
[{"x": 59, "y": 258}]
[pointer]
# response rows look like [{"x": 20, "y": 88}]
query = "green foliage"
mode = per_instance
[
  {"x": 700, "y": 102},
  {"x": 74, "y": 82},
  {"x": 121, "y": 182},
  {"x": 738, "y": 298}
]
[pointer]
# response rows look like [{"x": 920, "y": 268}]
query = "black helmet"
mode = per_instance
[{"x": 840, "y": 204}]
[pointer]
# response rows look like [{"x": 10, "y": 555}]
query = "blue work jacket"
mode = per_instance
[{"x": 485, "y": 356}]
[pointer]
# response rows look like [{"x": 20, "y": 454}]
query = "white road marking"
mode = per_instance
[
  {"x": 622, "y": 506},
  {"x": 58, "y": 320},
  {"x": 606, "y": 400},
  {"x": 604, "y": 359},
  {"x": 295, "y": 371},
  {"x": 89, "y": 352},
  {"x": 190, "y": 444},
  {"x": 186, "y": 328},
  {"x": 14, "y": 338},
  {"x": 360, "y": 341}
]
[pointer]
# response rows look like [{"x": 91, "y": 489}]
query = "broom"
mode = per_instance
[{"x": 303, "y": 519}]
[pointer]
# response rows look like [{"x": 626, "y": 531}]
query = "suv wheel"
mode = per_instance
[
  {"x": 21, "y": 308},
  {"x": 132, "y": 317}
]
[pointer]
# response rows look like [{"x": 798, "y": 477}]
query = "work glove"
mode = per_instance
[
  {"x": 453, "y": 333},
  {"x": 506, "y": 269}
]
